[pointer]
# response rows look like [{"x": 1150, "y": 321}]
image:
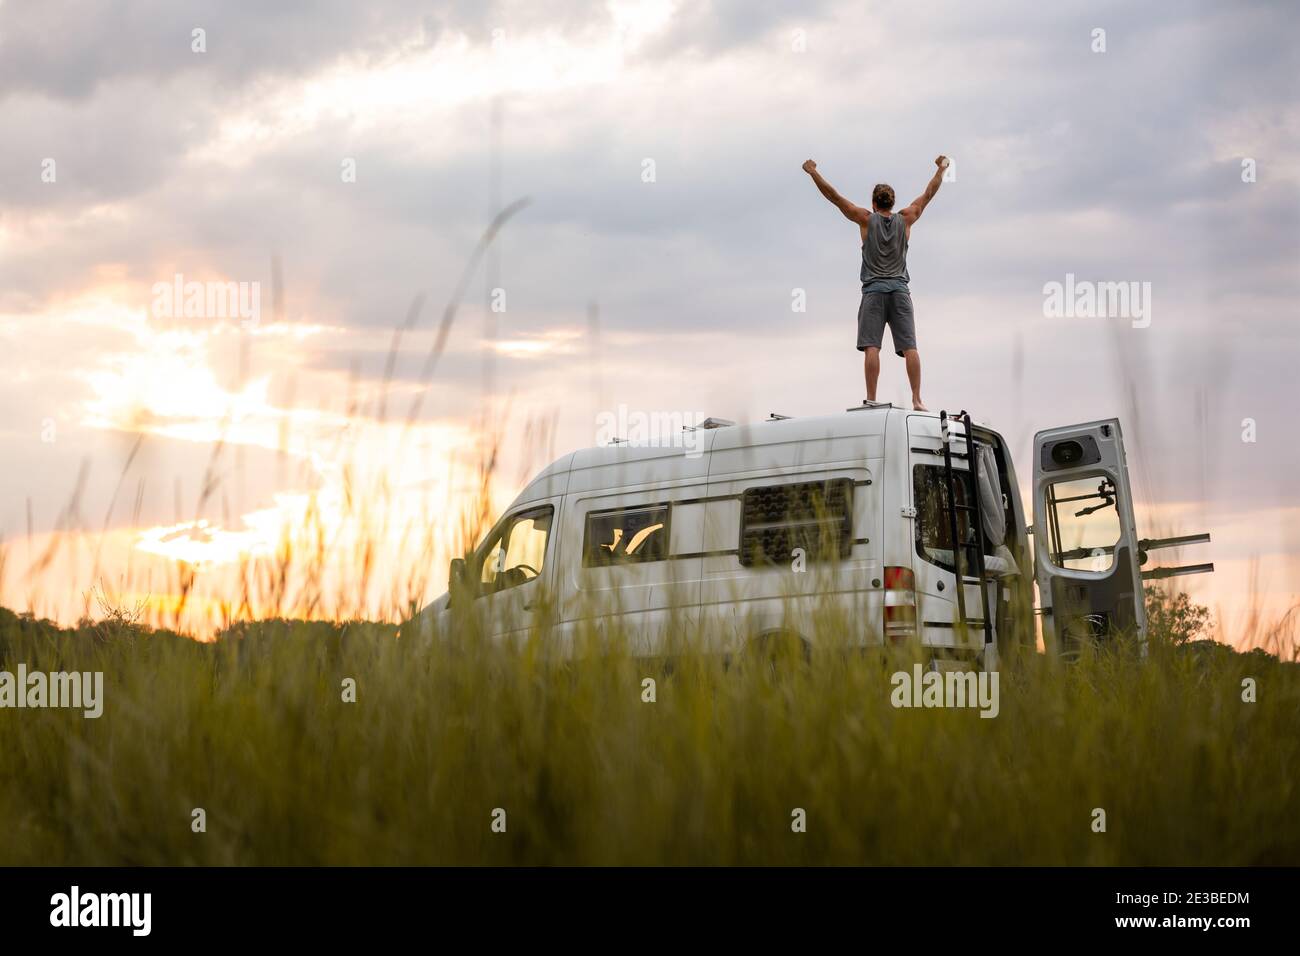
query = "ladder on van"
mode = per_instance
[{"x": 972, "y": 508}]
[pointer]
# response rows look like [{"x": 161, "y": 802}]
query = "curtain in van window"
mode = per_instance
[{"x": 993, "y": 514}]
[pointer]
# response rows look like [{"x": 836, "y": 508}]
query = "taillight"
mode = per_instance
[
  {"x": 900, "y": 604},
  {"x": 899, "y": 579}
]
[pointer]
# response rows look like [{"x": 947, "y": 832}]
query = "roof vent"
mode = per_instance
[{"x": 716, "y": 423}]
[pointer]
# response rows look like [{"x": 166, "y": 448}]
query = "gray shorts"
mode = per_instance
[{"x": 879, "y": 309}]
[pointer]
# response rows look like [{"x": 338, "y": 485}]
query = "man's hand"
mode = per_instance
[
  {"x": 913, "y": 212},
  {"x": 851, "y": 212}
]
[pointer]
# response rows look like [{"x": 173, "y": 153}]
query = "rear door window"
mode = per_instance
[
  {"x": 1083, "y": 523},
  {"x": 933, "y": 523}
]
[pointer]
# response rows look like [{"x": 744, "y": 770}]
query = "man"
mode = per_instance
[{"x": 885, "y": 296}]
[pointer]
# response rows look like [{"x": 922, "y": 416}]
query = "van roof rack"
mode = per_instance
[
  {"x": 777, "y": 417},
  {"x": 866, "y": 404}
]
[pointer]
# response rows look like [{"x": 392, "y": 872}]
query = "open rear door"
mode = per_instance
[{"x": 1085, "y": 541}]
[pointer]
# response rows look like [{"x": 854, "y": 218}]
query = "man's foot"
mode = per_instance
[{"x": 917, "y": 406}]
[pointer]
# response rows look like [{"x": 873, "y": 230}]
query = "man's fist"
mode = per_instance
[
  {"x": 809, "y": 165},
  {"x": 942, "y": 162}
]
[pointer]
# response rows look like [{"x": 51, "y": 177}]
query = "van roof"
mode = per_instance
[{"x": 866, "y": 420}]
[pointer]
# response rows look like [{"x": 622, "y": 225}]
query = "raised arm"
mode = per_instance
[
  {"x": 851, "y": 212},
  {"x": 913, "y": 212}
]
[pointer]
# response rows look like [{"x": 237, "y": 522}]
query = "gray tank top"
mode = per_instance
[{"x": 884, "y": 251}]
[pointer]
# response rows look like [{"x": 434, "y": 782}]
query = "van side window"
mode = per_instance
[
  {"x": 816, "y": 516},
  {"x": 627, "y": 536},
  {"x": 513, "y": 555},
  {"x": 933, "y": 524}
]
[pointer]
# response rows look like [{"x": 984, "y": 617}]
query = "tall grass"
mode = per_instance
[{"x": 253, "y": 729}]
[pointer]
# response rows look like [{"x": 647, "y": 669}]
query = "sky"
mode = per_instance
[{"x": 340, "y": 162}]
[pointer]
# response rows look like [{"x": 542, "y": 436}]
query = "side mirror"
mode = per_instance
[{"x": 456, "y": 575}]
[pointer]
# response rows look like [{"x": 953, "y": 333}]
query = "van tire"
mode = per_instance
[{"x": 778, "y": 645}]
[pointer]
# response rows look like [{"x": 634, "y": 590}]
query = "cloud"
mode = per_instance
[{"x": 1115, "y": 166}]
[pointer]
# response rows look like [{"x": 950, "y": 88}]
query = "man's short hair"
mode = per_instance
[{"x": 882, "y": 197}]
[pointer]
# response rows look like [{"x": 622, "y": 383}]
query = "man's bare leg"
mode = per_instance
[
  {"x": 913, "y": 359},
  {"x": 871, "y": 366}
]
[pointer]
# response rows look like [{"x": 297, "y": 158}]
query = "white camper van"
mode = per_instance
[{"x": 910, "y": 523}]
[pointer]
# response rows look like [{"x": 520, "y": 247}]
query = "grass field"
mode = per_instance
[{"x": 254, "y": 730}]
